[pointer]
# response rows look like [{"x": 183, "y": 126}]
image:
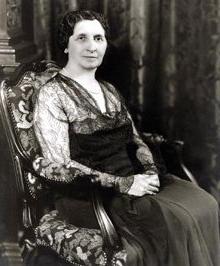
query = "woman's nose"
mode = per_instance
[{"x": 91, "y": 46}]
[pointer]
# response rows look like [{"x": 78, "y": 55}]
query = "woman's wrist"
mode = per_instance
[
  {"x": 151, "y": 172},
  {"x": 119, "y": 183},
  {"x": 123, "y": 184},
  {"x": 150, "y": 168},
  {"x": 104, "y": 179}
]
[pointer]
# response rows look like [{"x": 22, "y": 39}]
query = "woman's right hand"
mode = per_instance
[
  {"x": 144, "y": 184},
  {"x": 135, "y": 185}
]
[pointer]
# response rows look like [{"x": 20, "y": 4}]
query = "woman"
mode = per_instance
[{"x": 87, "y": 136}]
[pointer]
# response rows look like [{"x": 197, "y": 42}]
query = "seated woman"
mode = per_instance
[{"x": 87, "y": 135}]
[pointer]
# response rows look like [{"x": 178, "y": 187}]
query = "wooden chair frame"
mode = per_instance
[{"x": 22, "y": 163}]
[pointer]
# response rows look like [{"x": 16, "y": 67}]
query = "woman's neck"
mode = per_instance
[{"x": 79, "y": 74}]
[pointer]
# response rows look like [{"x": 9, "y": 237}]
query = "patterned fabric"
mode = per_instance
[
  {"x": 68, "y": 173},
  {"x": 20, "y": 98},
  {"x": 62, "y": 107},
  {"x": 20, "y": 103},
  {"x": 79, "y": 246},
  {"x": 63, "y": 103}
]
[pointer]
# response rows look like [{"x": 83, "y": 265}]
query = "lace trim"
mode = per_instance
[
  {"x": 121, "y": 184},
  {"x": 55, "y": 109},
  {"x": 59, "y": 172}
]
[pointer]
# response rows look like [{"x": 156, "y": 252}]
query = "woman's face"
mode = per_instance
[{"x": 87, "y": 45}]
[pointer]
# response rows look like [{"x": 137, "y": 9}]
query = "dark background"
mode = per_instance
[{"x": 164, "y": 57}]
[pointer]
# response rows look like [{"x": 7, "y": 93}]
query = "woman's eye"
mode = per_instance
[
  {"x": 82, "y": 38},
  {"x": 99, "y": 38}
]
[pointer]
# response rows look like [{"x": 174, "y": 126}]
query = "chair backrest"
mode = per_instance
[
  {"x": 17, "y": 101},
  {"x": 17, "y": 97}
]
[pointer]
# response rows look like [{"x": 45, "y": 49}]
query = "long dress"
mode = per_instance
[{"x": 176, "y": 227}]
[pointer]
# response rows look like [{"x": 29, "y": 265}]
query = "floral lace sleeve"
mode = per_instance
[
  {"x": 143, "y": 153},
  {"x": 51, "y": 129}
]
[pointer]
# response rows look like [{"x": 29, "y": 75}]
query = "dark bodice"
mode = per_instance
[
  {"x": 105, "y": 150},
  {"x": 77, "y": 138}
]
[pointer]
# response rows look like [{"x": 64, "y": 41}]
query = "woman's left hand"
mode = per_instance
[{"x": 145, "y": 184}]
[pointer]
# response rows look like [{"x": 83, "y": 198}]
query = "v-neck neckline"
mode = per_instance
[{"x": 95, "y": 104}]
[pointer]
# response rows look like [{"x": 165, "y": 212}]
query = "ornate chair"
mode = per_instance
[{"x": 16, "y": 102}]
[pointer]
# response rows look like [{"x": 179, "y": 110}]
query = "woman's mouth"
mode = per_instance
[{"x": 90, "y": 56}]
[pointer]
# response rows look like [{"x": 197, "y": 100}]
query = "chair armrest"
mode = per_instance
[{"x": 168, "y": 155}]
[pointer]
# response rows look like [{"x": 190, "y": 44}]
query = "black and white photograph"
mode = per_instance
[{"x": 109, "y": 132}]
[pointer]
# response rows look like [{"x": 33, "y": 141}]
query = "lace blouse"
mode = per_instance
[{"x": 63, "y": 105}]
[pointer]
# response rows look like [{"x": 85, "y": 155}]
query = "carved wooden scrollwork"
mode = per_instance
[{"x": 14, "y": 16}]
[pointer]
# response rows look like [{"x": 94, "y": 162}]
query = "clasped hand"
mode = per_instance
[{"x": 144, "y": 184}]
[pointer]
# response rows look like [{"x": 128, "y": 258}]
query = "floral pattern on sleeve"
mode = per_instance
[
  {"x": 143, "y": 153},
  {"x": 51, "y": 129},
  {"x": 51, "y": 124}
]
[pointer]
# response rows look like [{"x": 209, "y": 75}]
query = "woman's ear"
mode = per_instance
[{"x": 66, "y": 51}]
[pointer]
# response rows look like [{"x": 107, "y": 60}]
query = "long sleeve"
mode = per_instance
[
  {"x": 143, "y": 153},
  {"x": 51, "y": 128}
]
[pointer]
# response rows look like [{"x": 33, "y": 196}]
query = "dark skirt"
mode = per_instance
[{"x": 176, "y": 227}]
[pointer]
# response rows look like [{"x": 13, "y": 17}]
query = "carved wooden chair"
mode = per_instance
[{"x": 16, "y": 102}]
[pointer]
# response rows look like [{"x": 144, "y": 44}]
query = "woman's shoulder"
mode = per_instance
[
  {"x": 51, "y": 89},
  {"x": 52, "y": 83}
]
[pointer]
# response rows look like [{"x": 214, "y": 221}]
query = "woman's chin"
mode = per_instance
[{"x": 92, "y": 65}]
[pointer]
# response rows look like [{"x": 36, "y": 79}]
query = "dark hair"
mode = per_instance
[{"x": 68, "y": 22}]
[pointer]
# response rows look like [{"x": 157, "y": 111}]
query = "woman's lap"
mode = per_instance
[
  {"x": 178, "y": 226},
  {"x": 197, "y": 213},
  {"x": 182, "y": 220},
  {"x": 191, "y": 199},
  {"x": 188, "y": 195}
]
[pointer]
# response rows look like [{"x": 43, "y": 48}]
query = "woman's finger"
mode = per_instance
[
  {"x": 150, "y": 193},
  {"x": 154, "y": 184},
  {"x": 151, "y": 182},
  {"x": 154, "y": 181},
  {"x": 152, "y": 188}
]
